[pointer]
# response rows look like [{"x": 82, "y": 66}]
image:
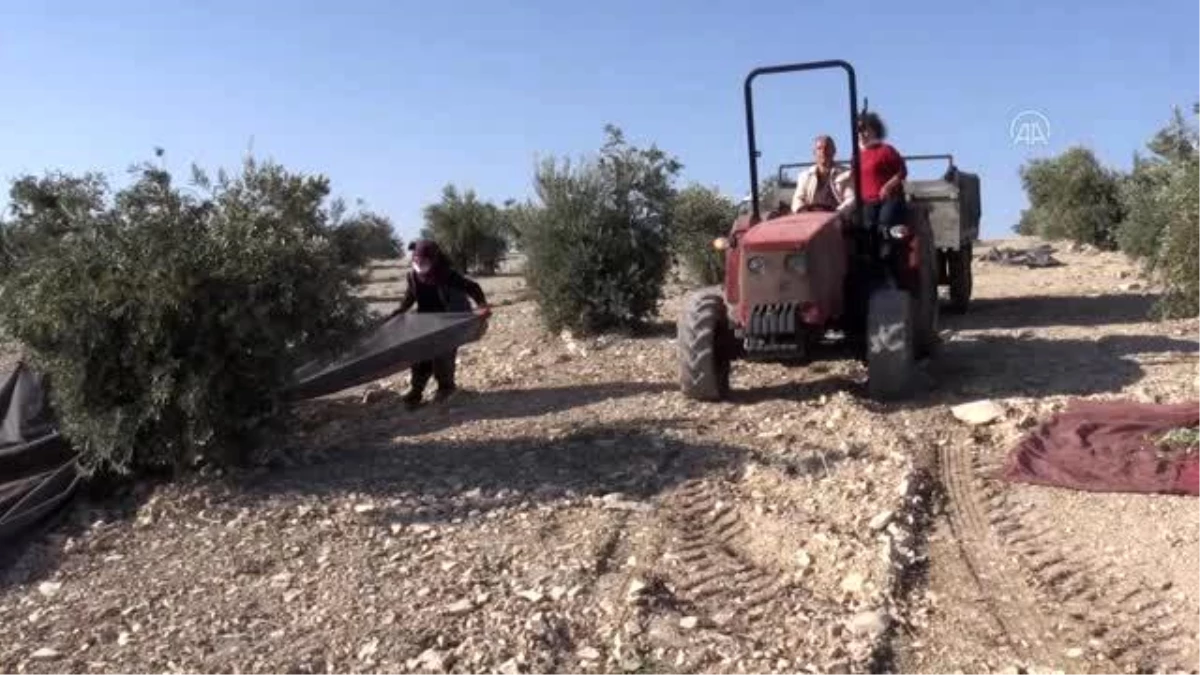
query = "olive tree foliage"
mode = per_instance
[
  {"x": 1145, "y": 187},
  {"x": 1073, "y": 197},
  {"x": 472, "y": 232},
  {"x": 168, "y": 320},
  {"x": 597, "y": 238},
  {"x": 364, "y": 235},
  {"x": 701, "y": 215},
  {"x": 1149, "y": 213},
  {"x": 1162, "y": 224},
  {"x": 43, "y": 209}
]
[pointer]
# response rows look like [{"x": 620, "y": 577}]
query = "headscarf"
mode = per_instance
[{"x": 429, "y": 263}]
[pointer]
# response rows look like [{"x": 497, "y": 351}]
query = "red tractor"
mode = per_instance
[{"x": 795, "y": 281}]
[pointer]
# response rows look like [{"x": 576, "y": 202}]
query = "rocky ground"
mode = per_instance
[{"x": 572, "y": 512}]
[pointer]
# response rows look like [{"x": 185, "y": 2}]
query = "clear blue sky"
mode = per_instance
[{"x": 393, "y": 100}]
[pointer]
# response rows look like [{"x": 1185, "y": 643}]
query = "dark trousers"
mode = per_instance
[
  {"x": 441, "y": 369},
  {"x": 886, "y": 213}
]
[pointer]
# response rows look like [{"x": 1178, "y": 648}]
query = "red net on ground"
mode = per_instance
[{"x": 1110, "y": 446}]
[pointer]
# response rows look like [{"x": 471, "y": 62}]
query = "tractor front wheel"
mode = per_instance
[
  {"x": 704, "y": 346},
  {"x": 890, "y": 345}
]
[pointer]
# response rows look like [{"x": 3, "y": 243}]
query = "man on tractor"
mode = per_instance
[{"x": 824, "y": 186}]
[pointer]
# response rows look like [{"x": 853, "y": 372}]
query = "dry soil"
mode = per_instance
[{"x": 571, "y": 511}]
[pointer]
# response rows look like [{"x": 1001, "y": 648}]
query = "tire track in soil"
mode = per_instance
[
  {"x": 709, "y": 568},
  {"x": 1009, "y": 608},
  {"x": 704, "y": 570},
  {"x": 1040, "y": 599},
  {"x": 1128, "y": 622}
]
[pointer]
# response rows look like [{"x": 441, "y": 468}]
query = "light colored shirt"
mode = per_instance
[{"x": 832, "y": 191}]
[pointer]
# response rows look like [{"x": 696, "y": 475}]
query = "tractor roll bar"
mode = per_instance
[
  {"x": 783, "y": 168},
  {"x": 804, "y": 165},
  {"x": 793, "y": 68}
]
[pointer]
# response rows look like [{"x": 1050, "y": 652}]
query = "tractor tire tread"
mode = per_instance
[{"x": 703, "y": 365}]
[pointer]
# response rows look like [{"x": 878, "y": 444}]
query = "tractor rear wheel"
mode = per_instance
[
  {"x": 890, "y": 345},
  {"x": 959, "y": 263},
  {"x": 704, "y": 346}
]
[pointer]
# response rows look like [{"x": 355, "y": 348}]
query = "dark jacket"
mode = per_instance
[{"x": 448, "y": 296}]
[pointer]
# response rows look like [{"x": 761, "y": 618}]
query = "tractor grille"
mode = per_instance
[{"x": 775, "y": 319}]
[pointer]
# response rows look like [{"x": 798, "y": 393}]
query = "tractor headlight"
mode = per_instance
[
  {"x": 756, "y": 264},
  {"x": 797, "y": 262}
]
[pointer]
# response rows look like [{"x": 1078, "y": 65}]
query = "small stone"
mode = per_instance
[
  {"x": 364, "y": 508},
  {"x": 123, "y": 639},
  {"x": 44, "y": 653},
  {"x": 430, "y": 660},
  {"x": 588, "y": 654},
  {"x": 689, "y": 622},
  {"x": 368, "y": 650},
  {"x": 531, "y": 595},
  {"x": 870, "y": 624},
  {"x": 724, "y": 618},
  {"x": 1074, "y": 653},
  {"x": 853, "y": 583},
  {"x": 978, "y": 413},
  {"x": 635, "y": 590},
  {"x": 803, "y": 559},
  {"x": 557, "y": 593},
  {"x": 880, "y": 521},
  {"x": 49, "y": 588},
  {"x": 461, "y": 607}
]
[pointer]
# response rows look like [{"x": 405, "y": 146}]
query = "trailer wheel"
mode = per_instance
[
  {"x": 926, "y": 324},
  {"x": 703, "y": 343},
  {"x": 960, "y": 278},
  {"x": 890, "y": 344}
]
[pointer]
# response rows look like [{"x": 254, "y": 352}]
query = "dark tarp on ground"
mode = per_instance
[
  {"x": 38, "y": 471},
  {"x": 393, "y": 346},
  {"x": 1041, "y": 256},
  {"x": 1109, "y": 446},
  {"x": 37, "y": 467}
]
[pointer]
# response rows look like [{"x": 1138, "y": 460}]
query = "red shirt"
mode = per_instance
[{"x": 880, "y": 162}]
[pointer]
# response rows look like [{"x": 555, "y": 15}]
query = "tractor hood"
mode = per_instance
[
  {"x": 787, "y": 232},
  {"x": 799, "y": 261}
]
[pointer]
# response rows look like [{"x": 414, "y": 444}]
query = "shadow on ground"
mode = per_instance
[
  {"x": 94, "y": 509},
  {"x": 997, "y": 366},
  {"x": 1004, "y": 366},
  {"x": 438, "y": 481},
  {"x": 746, "y": 393},
  {"x": 654, "y": 330},
  {"x": 1040, "y": 311},
  {"x": 385, "y": 413}
]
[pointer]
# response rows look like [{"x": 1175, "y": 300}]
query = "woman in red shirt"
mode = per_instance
[{"x": 882, "y": 174}]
